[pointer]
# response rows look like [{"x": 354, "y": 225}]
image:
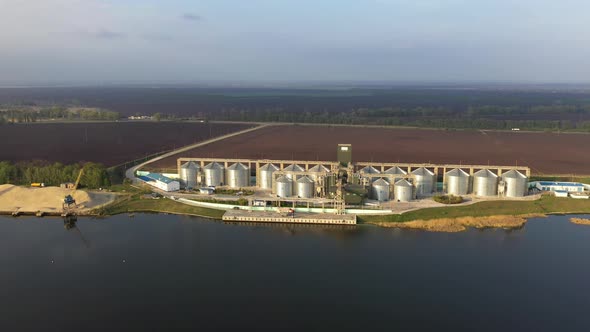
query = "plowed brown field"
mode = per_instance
[
  {"x": 109, "y": 143},
  {"x": 546, "y": 153}
]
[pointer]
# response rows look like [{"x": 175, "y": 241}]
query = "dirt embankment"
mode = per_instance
[
  {"x": 48, "y": 199},
  {"x": 452, "y": 225},
  {"x": 580, "y": 221}
]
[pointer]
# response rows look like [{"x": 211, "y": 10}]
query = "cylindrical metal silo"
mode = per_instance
[
  {"x": 485, "y": 183},
  {"x": 380, "y": 190},
  {"x": 213, "y": 174},
  {"x": 188, "y": 174},
  {"x": 238, "y": 176},
  {"x": 284, "y": 187},
  {"x": 305, "y": 187},
  {"x": 266, "y": 175},
  {"x": 292, "y": 168},
  {"x": 516, "y": 183},
  {"x": 403, "y": 191},
  {"x": 424, "y": 181},
  {"x": 457, "y": 182}
]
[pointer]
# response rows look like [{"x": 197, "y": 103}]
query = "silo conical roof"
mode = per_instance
[
  {"x": 318, "y": 169},
  {"x": 380, "y": 182},
  {"x": 485, "y": 173},
  {"x": 403, "y": 183},
  {"x": 422, "y": 171},
  {"x": 269, "y": 167},
  {"x": 304, "y": 179},
  {"x": 294, "y": 168},
  {"x": 213, "y": 165},
  {"x": 457, "y": 172},
  {"x": 284, "y": 179},
  {"x": 238, "y": 166},
  {"x": 395, "y": 170},
  {"x": 513, "y": 174},
  {"x": 370, "y": 170}
]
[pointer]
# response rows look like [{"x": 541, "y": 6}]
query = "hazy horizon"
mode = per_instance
[{"x": 95, "y": 42}]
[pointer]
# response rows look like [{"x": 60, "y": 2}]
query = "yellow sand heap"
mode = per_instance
[{"x": 48, "y": 199}]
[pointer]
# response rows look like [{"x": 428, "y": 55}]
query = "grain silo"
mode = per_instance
[
  {"x": 485, "y": 183},
  {"x": 369, "y": 170},
  {"x": 213, "y": 174},
  {"x": 238, "y": 175},
  {"x": 516, "y": 183},
  {"x": 305, "y": 187},
  {"x": 457, "y": 182},
  {"x": 292, "y": 168},
  {"x": 265, "y": 173},
  {"x": 380, "y": 190},
  {"x": 424, "y": 181},
  {"x": 188, "y": 174},
  {"x": 284, "y": 186},
  {"x": 403, "y": 191}
]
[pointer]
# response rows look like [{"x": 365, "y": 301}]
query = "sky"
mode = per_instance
[{"x": 106, "y": 41}]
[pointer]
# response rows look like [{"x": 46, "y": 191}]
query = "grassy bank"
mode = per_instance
[
  {"x": 545, "y": 205},
  {"x": 133, "y": 202}
]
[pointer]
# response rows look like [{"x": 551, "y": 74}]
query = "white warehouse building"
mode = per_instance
[
  {"x": 162, "y": 182},
  {"x": 559, "y": 186}
]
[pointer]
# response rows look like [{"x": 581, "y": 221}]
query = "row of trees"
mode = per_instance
[
  {"x": 478, "y": 117},
  {"x": 94, "y": 176},
  {"x": 27, "y": 115}
]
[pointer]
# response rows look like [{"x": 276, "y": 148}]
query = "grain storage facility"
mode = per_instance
[
  {"x": 305, "y": 187},
  {"x": 292, "y": 168},
  {"x": 403, "y": 191},
  {"x": 380, "y": 190},
  {"x": 188, "y": 174},
  {"x": 213, "y": 174},
  {"x": 425, "y": 181},
  {"x": 284, "y": 186},
  {"x": 265, "y": 174},
  {"x": 485, "y": 183},
  {"x": 457, "y": 181},
  {"x": 238, "y": 176},
  {"x": 515, "y": 182}
]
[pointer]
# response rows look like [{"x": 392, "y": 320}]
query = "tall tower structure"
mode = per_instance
[{"x": 344, "y": 154}]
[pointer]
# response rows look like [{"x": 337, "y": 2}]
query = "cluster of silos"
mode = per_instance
[
  {"x": 188, "y": 174},
  {"x": 214, "y": 174},
  {"x": 424, "y": 181},
  {"x": 457, "y": 181},
  {"x": 515, "y": 184},
  {"x": 238, "y": 176},
  {"x": 403, "y": 190}
]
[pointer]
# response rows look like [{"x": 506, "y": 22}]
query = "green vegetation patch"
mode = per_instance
[
  {"x": 448, "y": 199},
  {"x": 134, "y": 203},
  {"x": 545, "y": 205}
]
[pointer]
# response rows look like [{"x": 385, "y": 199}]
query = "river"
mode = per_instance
[{"x": 159, "y": 272}]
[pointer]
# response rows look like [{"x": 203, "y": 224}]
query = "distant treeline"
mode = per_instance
[
  {"x": 94, "y": 176},
  {"x": 33, "y": 114},
  {"x": 540, "y": 117}
]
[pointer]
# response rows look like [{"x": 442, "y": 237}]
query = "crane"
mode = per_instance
[{"x": 69, "y": 199}]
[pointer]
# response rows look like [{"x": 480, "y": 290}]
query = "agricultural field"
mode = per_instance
[
  {"x": 109, "y": 143},
  {"x": 545, "y": 153}
]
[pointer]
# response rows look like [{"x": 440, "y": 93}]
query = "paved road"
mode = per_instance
[{"x": 130, "y": 173}]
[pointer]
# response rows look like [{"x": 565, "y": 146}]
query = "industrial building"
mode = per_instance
[
  {"x": 161, "y": 182},
  {"x": 558, "y": 186}
]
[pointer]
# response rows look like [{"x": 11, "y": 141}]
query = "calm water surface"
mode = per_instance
[{"x": 159, "y": 272}]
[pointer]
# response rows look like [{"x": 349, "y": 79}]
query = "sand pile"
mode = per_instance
[
  {"x": 47, "y": 199},
  {"x": 459, "y": 224},
  {"x": 580, "y": 221}
]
